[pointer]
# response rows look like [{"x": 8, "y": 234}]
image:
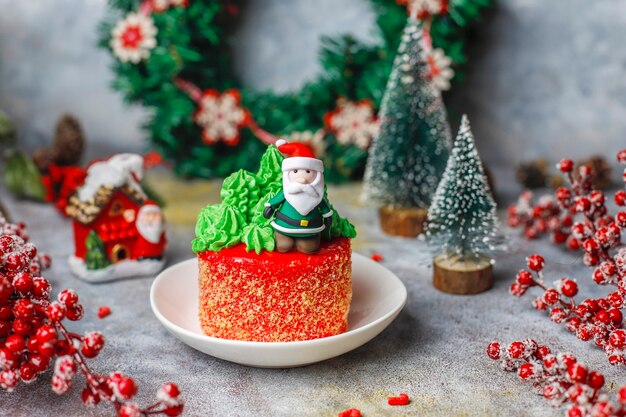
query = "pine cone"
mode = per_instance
[
  {"x": 69, "y": 141},
  {"x": 532, "y": 174},
  {"x": 601, "y": 172}
]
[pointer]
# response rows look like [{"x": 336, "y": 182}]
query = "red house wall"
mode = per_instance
[{"x": 112, "y": 228}]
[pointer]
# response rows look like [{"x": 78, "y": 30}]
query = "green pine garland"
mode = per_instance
[{"x": 193, "y": 43}]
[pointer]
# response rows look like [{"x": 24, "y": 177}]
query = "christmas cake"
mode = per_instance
[{"x": 274, "y": 256}]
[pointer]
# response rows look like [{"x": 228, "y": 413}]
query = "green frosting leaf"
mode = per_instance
[
  {"x": 218, "y": 226},
  {"x": 240, "y": 190},
  {"x": 258, "y": 238},
  {"x": 270, "y": 175}
]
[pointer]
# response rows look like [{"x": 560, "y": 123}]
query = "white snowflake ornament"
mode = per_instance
[
  {"x": 133, "y": 37},
  {"x": 440, "y": 71},
  {"x": 221, "y": 117},
  {"x": 353, "y": 123}
]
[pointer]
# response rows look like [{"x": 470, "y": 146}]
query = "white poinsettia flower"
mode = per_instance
[
  {"x": 439, "y": 69},
  {"x": 220, "y": 117},
  {"x": 133, "y": 37},
  {"x": 354, "y": 122}
]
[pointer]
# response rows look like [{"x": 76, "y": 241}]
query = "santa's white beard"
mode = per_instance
[
  {"x": 304, "y": 197},
  {"x": 150, "y": 230}
]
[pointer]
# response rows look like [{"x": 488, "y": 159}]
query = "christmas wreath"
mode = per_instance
[{"x": 172, "y": 56}]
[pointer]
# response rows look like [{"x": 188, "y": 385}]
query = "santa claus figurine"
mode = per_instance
[
  {"x": 300, "y": 211},
  {"x": 150, "y": 225}
]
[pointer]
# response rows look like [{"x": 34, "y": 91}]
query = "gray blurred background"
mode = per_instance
[{"x": 545, "y": 78}]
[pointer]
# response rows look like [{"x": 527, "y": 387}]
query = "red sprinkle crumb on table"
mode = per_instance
[
  {"x": 401, "y": 399},
  {"x": 103, "y": 312},
  {"x": 352, "y": 412},
  {"x": 377, "y": 257}
]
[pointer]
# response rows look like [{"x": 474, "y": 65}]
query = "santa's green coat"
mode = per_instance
[{"x": 289, "y": 222}]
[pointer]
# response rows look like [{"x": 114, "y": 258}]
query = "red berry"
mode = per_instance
[
  {"x": 68, "y": 298},
  {"x": 122, "y": 386},
  {"x": 41, "y": 287},
  {"x": 90, "y": 399},
  {"x": 65, "y": 367},
  {"x": 608, "y": 268},
  {"x": 75, "y": 312},
  {"x": 621, "y": 395},
  {"x": 535, "y": 262},
  {"x": 621, "y": 156},
  {"x": 28, "y": 373},
  {"x": 616, "y": 299},
  {"x": 603, "y": 317},
  {"x": 23, "y": 309},
  {"x": 9, "y": 379},
  {"x": 569, "y": 288},
  {"x": 56, "y": 311},
  {"x": 177, "y": 409},
  {"x": 517, "y": 350},
  {"x": 620, "y": 219},
  {"x": 583, "y": 205},
  {"x": 15, "y": 262},
  {"x": 525, "y": 278},
  {"x": 566, "y": 165},
  {"x": 93, "y": 342},
  {"x": 542, "y": 352},
  {"x": 46, "y": 334},
  {"x": 584, "y": 332},
  {"x": 15, "y": 343},
  {"x": 617, "y": 339},
  {"x": 558, "y": 314},
  {"x": 563, "y": 194},
  {"x": 595, "y": 380},
  {"x": 591, "y": 245},
  {"x": 526, "y": 371},
  {"x": 493, "y": 350},
  {"x": 620, "y": 198},
  {"x": 551, "y": 296},
  {"x": 6, "y": 313},
  {"x": 39, "y": 362},
  {"x": 585, "y": 171},
  {"x": 517, "y": 289},
  {"x": 60, "y": 385},
  {"x": 615, "y": 315},
  {"x": 577, "y": 372},
  {"x": 8, "y": 359},
  {"x": 23, "y": 282},
  {"x": 573, "y": 324},
  {"x": 6, "y": 289},
  {"x": 169, "y": 390}
]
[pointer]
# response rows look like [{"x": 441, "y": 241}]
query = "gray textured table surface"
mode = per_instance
[{"x": 434, "y": 350}]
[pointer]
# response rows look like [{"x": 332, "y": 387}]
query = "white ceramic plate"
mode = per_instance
[{"x": 378, "y": 297}]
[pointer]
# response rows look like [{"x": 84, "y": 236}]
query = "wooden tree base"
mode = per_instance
[
  {"x": 456, "y": 276},
  {"x": 405, "y": 222}
]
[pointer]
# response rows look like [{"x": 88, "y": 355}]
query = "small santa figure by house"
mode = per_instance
[
  {"x": 118, "y": 231},
  {"x": 300, "y": 211}
]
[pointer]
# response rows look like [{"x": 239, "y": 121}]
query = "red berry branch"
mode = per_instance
[
  {"x": 599, "y": 236},
  {"x": 559, "y": 378},
  {"x": 33, "y": 333}
]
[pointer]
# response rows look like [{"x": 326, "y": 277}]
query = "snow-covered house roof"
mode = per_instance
[{"x": 119, "y": 173}]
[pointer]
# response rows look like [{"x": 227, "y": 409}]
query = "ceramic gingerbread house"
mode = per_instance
[{"x": 118, "y": 231}]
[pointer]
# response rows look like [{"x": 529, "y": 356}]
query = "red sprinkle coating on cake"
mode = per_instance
[{"x": 275, "y": 297}]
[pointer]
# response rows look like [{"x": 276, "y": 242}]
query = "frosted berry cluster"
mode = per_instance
[
  {"x": 598, "y": 234},
  {"x": 558, "y": 215},
  {"x": 33, "y": 336},
  {"x": 560, "y": 379}
]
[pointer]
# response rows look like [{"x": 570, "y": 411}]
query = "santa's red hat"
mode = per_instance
[{"x": 298, "y": 156}]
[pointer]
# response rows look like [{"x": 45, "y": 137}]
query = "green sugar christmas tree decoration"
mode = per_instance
[
  {"x": 96, "y": 257},
  {"x": 462, "y": 219},
  {"x": 409, "y": 153}
]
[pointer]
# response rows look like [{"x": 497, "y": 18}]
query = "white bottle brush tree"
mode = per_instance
[{"x": 462, "y": 220}]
